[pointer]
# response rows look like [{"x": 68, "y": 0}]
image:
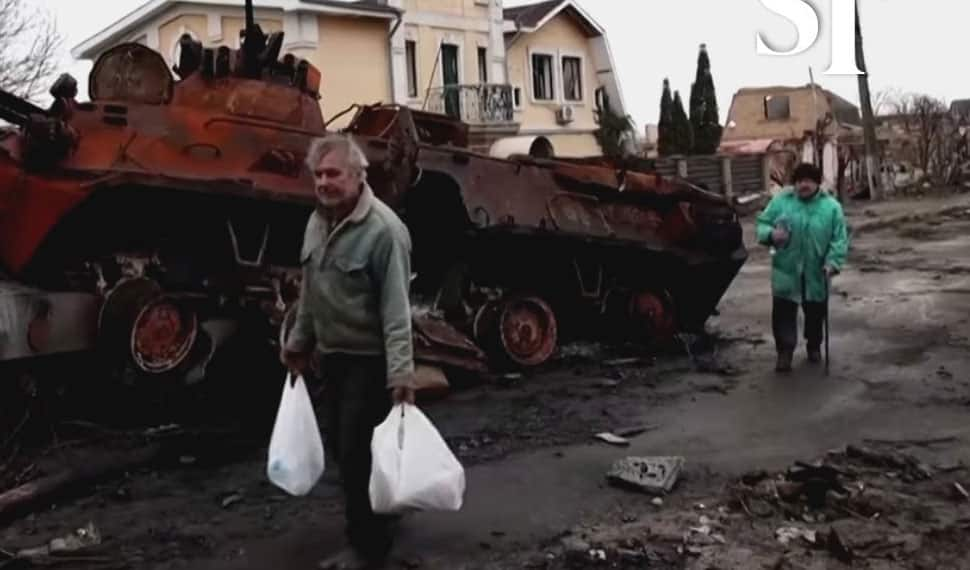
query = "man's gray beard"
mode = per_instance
[{"x": 329, "y": 203}]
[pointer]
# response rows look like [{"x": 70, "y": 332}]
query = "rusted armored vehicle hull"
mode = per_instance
[
  {"x": 165, "y": 217},
  {"x": 596, "y": 251}
]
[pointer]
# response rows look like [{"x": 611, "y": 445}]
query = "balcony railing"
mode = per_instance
[{"x": 475, "y": 104}]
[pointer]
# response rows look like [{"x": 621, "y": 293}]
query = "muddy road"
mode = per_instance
[{"x": 537, "y": 492}]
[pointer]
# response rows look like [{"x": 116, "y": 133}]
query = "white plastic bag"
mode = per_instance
[
  {"x": 296, "y": 460},
  {"x": 412, "y": 468}
]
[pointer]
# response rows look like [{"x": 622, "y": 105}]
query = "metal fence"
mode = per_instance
[
  {"x": 734, "y": 175},
  {"x": 474, "y": 104}
]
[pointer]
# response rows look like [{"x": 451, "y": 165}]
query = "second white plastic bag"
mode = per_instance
[
  {"x": 296, "y": 460},
  {"x": 413, "y": 469}
]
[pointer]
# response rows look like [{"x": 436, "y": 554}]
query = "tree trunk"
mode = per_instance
[{"x": 83, "y": 472}]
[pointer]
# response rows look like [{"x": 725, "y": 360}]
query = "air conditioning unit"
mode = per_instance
[{"x": 564, "y": 115}]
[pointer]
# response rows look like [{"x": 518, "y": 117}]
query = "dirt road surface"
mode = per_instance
[{"x": 900, "y": 335}]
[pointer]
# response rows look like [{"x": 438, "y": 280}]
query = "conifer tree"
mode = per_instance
[
  {"x": 683, "y": 136},
  {"x": 703, "y": 107},
  {"x": 665, "y": 126}
]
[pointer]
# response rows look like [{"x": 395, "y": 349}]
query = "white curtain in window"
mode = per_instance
[{"x": 572, "y": 79}]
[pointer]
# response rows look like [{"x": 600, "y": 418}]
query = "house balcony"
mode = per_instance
[{"x": 477, "y": 105}]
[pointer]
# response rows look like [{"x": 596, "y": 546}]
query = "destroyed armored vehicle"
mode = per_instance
[{"x": 165, "y": 216}]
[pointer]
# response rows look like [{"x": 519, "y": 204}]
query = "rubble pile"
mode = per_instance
[{"x": 865, "y": 507}]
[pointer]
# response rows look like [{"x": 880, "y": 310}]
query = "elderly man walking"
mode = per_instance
[
  {"x": 354, "y": 314},
  {"x": 806, "y": 228}
]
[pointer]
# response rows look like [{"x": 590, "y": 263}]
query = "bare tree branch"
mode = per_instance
[
  {"x": 937, "y": 136},
  {"x": 28, "y": 49},
  {"x": 885, "y": 100}
]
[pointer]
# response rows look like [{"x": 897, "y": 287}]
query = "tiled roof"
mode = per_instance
[{"x": 530, "y": 15}]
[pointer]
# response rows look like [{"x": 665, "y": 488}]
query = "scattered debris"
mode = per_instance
[
  {"x": 81, "y": 539},
  {"x": 654, "y": 475},
  {"x": 915, "y": 442},
  {"x": 509, "y": 378},
  {"x": 161, "y": 430},
  {"x": 613, "y": 439},
  {"x": 634, "y": 431},
  {"x": 91, "y": 469},
  {"x": 657, "y": 502},
  {"x": 231, "y": 500},
  {"x": 962, "y": 491},
  {"x": 789, "y": 533},
  {"x": 572, "y": 544},
  {"x": 621, "y": 362},
  {"x": 837, "y": 547},
  {"x": 950, "y": 467},
  {"x": 912, "y": 468}
]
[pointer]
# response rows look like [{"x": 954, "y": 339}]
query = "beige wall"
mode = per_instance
[
  {"x": 171, "y": 28},
  {"x": 467, "y": 8},
  {"x": 748, "y": 113},
  {"x": 561, "y": 36},
  {"x": 575, "y": 145},
  {"x": 354, "y": 60},
  {"x": 170, "y": 31},
  {"x": 429, "y": 39},
  {"x": 352, "y": 55},
  {"x": 232, "y": 26}
]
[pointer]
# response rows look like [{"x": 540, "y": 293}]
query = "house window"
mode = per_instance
[
  {"x": 410, "y": 49},
  {"x": 572, "y": 78},
  {"x": 777, "y": 108},
  {"x": 542, "y": 77},
  {"x": 482, "y": 65}
]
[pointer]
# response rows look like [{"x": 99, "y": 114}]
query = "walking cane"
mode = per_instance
[{"x": 827, "y": 297}]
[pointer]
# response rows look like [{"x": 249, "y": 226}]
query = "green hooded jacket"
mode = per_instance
[{"x": 818, "y": 238}]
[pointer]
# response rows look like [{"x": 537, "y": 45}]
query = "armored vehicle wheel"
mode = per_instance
[{"x": 520, "y": 330}]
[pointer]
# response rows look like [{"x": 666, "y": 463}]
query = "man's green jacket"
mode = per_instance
[{"x": 818, "y": 238}]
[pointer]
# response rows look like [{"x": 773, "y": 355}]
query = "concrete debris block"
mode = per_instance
[
  {"x": 837, "y": 548},
  {"x": 572, "y": 544},
  {"x": 613, "y": 439},
  {"x": 82, "y": 538},
  {"x": 911, "y": 543},
  {"x": 704, "y": 534},
  {"x": 598, "y": 555},
  {"x": 787, "y": 534},
  {"x": 697, "y": 538},
  {"x": 653, "y": 475}
]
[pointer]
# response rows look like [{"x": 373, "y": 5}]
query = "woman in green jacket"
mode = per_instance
[{"x": 806, "y": 228}]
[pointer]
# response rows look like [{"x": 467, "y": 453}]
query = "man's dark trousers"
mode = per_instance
[
  {"x": 357, "y": 400},
  {"x": 784, "y": 323}
]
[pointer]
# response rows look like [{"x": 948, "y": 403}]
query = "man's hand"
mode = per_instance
[
  {"x": 779, "y": 236},
  {"x": 830, "y": 271},
  {"x": 298, "y": 363},
  {"x": 403, "y": 395}
]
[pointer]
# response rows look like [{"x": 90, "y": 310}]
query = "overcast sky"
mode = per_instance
[{"x": 911, "y": 45}]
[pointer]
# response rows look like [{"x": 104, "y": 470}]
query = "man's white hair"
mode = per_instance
[{"x": 322, "y": 146}]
